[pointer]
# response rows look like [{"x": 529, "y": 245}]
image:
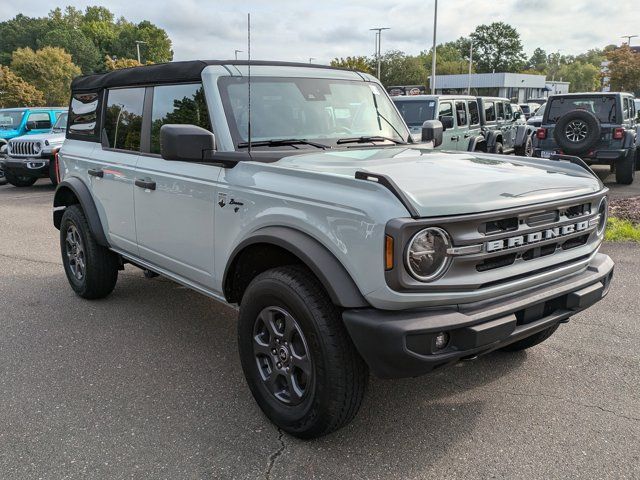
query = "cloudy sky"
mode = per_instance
[{"x": 299, "y": 29}]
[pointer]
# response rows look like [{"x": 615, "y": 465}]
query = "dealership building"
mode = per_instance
[{"x": 519, "y": 87}]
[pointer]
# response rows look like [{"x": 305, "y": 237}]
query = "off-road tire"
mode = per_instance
[
  {"x": 531, "y": 341},
  {"x": 592, "y": 134},
  {"x": 526, "y": 150},
  {"x": 20, "y": 180},
  {"x": 498, "y": 148},
  {"x": 101, "y": 264},
  {"x": 340, "y": 376},
  {"x": 626, "y": 168},
  {"x": 3, "y": 180}
]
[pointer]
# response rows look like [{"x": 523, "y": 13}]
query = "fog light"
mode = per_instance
[{"x": 441, "y": 340}]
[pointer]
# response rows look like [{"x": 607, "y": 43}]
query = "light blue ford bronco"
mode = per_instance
[{"x": 295, "y": 192}]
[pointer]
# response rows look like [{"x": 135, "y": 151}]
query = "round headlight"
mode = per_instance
[
  {"x": 427, "y": 257},
  {"x": 603, "y": 211}
]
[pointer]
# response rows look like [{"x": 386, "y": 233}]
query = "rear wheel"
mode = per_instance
[
  {"x": 20, "y": 180},
  {"x": 298, "y": 359},
  {"x": 531, "y": 341},
  {"x": 526, "y": 150},
  {"x": 498, "y": 148},
  {"x": 92, "y": 270},
  {"x": 626, "y": 168}
]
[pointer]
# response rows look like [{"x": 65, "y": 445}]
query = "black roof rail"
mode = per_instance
[{"x": 390, "y": 185}]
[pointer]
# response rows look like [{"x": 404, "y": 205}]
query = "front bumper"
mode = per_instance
[
  {"x": 34, "y": 167},
  {"x": 402, "y": 343}
]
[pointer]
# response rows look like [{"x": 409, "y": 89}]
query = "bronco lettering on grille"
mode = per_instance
[{"x": 529, "y": 238}]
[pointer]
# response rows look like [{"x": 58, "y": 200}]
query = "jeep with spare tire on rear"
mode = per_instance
[
  {"x": 600, "y": 128},
  {"x": 296, "y": 193}
]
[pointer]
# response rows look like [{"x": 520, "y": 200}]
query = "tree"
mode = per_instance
[
  {"x": 49, "y": 69},
  {"x": 15, "y": 92},
  {"x": 624, "y": 69},
  {"x": 157, "y": 48},
  {"x": 538, "y": 61},
  {"x": 397, "y": 68},
  {"x": 21, "y": 31},
  {"x": 113, "y": 64},
  {"x": 449, "y": 58},
  {"x": 583, "y": 77},
  {"x": 362, "y": 64},
  {"x": 83, "y": 51},
  {"x": 498, "y": 48}
]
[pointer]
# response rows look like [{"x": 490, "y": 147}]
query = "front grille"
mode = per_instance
[{"x": 23, "y": 148}]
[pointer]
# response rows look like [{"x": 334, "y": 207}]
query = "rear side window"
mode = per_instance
[
  {"x": 39, "y": 120},
  {"x": 415, "y": 113},
  {"x": 123, "y": 119},
  {"x": 489, "y": 112},
  {"x": 183, "y": 104},
  {"x": 474, "y": 113},
  {"x": 461, "y": 114},
  {"x": 83, "y": 116},
  {"x": 604, "y": 107}
]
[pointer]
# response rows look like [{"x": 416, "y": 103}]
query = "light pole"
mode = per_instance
[
  {"x": 311, "y": 59},
  {"x": 237, "y": 52},
  {"x": 628, "y": 37},
  {"x": 138, "y": 42},
  {"x": 378, "y": 31},
  {"x": 433, "y": 56},
  {"x": 470, "y": 64}
]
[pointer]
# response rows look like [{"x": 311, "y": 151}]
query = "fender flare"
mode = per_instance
[
  {"x": 522, "y": 131},
  {"x": 629, "y": 139},
  {"x": 473, "y": 143},
  {"x": 80, "y": 190},
  {"x": 341, "y": 288},
  {"x": 491, "y": 138}
]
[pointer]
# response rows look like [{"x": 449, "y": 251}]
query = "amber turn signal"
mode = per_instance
[{"x": 388, "y": 252}]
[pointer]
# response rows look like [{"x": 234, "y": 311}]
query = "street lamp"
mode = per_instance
[
  {"x": 138, "y": 42},
  {"x": 433, "y": 56},
  {"x": 311, "y": 59},
  {"x": 237, "y": 52},
  {"x": 628, "y": 37},
  {"x": 378, "y": 31}
]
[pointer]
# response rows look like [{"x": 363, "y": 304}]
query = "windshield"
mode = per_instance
[
  {"x": 416, "y": 112},
  {"x": 10, "y": 120},
  {"x": 61, "y": 123},
  {"x": 604, "y": 107},
  {"x": 319, "y": 109}
]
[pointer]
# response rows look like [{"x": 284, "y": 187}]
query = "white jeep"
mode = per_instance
[{"x": 295, "y": 192}]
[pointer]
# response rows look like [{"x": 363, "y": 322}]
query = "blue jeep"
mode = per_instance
[{"x": 15, "y": 122}]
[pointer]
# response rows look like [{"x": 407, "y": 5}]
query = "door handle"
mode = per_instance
[
  {"x": 467, "y": 135},
  {"x": 455, "y": 138},
  {"x": 96, "y": 172},
  {"x": 146, "y": 184}
]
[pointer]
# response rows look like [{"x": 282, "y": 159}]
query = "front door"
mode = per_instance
[
  {"x": 450, "y": 137},
  {"x": 175, "y": 201},
  {"x": 39, "y": 122}
]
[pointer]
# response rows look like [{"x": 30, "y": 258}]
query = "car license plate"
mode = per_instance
[{"x": 546, "y": 153}]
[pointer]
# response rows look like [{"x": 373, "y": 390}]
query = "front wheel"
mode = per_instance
[
  {"x": 3, "y": 180},
  {"x": 298, "y": 359},
  {"x": 20, "y": 180},
  {"x": 92, "y": 270}
]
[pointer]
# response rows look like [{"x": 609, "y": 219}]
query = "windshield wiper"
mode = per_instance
[
  {"x": 285, "y": 142},
  {"x": 369, "y": 139}
]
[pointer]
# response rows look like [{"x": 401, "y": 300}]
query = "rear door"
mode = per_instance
[{"x": 175, "y": 217}]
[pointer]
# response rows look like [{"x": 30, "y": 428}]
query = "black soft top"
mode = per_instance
[{"x": 172, "y": 72}]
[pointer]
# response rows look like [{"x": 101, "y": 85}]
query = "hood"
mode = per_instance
[
  {"x": 447, "y": 183},
  {"x": 53, "y": 137}
]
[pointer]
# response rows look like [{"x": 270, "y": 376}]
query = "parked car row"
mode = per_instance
[{"x": 485, "y": 124}]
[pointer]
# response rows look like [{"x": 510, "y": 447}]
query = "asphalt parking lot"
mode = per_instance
[{"x": 147, "y": 384}]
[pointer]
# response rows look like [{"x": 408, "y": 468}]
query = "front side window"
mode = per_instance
[
  {"x": 489, "y": 112},
  {"x": 461, "y": 114},
  {"x": 10, "y": 120},
  {"x": 39, "y": 121},
  {"x": 445, "y": 109},
  {"x": 123, "y": 118},
  {"x": 416, "y": 112},
  {"x": 181, "y": 104},
  {"x": 507, "y": 111},
  {"x": 474, "y": 113},
  {"x": 61, "y": 123},
  {"x": 320, "y": 109},
  {"x": 603, "y": 107}
]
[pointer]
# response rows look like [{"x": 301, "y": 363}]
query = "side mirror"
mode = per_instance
[
  {"x": 30, "y": 126},
  {"x": 447, "y": 121},
  {"x": 517, "y": 115},
  {"x": 186, "y": 143},
  {"x": 432, "y": 131}
]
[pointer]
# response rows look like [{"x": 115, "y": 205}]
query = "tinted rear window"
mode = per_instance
[
  {"x": 604, "y": 108},
  {"x": 415, "y": 113}
]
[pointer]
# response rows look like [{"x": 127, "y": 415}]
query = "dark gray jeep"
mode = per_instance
[{"x": 601, "y": 128}]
